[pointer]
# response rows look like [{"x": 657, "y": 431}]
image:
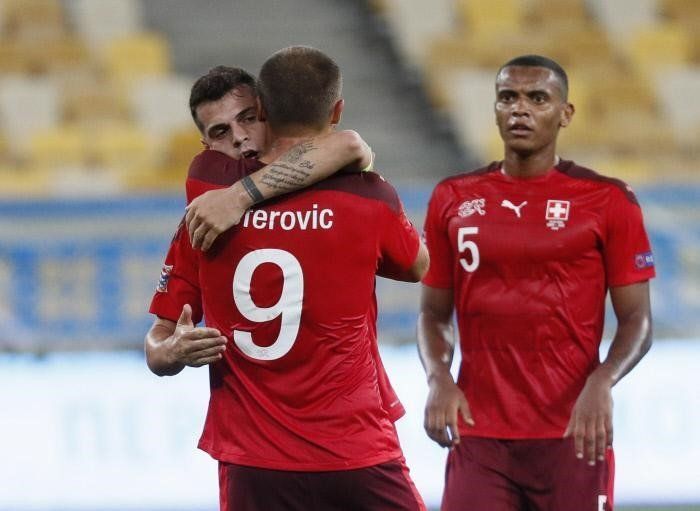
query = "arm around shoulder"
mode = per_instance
[{"x": 304, "y": 164}]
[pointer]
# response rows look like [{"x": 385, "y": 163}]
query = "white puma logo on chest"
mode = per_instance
[{"x": 508, "y": 204}]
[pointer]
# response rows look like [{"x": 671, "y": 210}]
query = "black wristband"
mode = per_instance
[{"x": 252, "y": 190}]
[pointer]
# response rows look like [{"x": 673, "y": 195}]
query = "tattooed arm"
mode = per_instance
[{"x": 215, "y": 211}]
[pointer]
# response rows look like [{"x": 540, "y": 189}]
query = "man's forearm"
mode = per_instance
[
  {"x": 434, "y": 345},
  {"x": 435, "y": 331},
  {"x": 216, "y": 211},
  {"x": 633, "y": 336},
  {"x": 307, "y": 163},
  {"x": 631, "y": 342}
]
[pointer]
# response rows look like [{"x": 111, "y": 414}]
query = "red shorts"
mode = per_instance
[
  {"x": 486, "y": 474},
  {"x": 381, "y": 487}
]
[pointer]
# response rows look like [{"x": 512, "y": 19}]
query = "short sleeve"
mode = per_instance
[
  {"x": 627, "y": 251},
  {"x": 178, "y": 281},
  {"x": 440, "y": 272}
]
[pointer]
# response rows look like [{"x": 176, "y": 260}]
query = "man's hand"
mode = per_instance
[
  {"x": 192, "y": 346},
  {"x": 591, "y": 419},
  {"x": 445, "y": 402},
  {"x": 214, "y": 212}
]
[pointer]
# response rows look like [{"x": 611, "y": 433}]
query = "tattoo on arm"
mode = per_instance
[
  {"x": 285, "y": 177},
  {"x": 298, "y": 151},
  {"x": 292, "y": 172}
]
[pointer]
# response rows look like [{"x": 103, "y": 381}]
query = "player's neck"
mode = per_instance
[{"x": 533, "y": 165}]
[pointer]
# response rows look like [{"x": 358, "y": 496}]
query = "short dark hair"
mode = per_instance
[
  {"x": 540, "y": 61},
  {"x": 214, "y": 85},
  {"x": 298, "y": 86}
]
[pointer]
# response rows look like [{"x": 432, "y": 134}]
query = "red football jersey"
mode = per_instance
[
  {"x": 530, "y": 262},
  {"x": 292, "y": 286}
]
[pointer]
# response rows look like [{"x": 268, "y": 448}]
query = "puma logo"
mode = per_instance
[{"x": 508, "y": 204}]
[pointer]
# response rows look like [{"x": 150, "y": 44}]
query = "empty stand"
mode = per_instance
[
  {"x": 99, "y": 22},
  {"x": 159, "y": 104},
  {"x": 132, "y": 56},
  {"x": 677, "y": 92},
  {"x": 27, "y": 105}
]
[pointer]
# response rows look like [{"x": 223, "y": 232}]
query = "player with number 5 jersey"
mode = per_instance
[{"x": 523, "y": 252}]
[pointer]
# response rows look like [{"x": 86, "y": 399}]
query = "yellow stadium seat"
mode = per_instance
[
  {"x": 655, "y": 48},
  {"x": 25, "y": 182},
  {"x": 58, "y": 147},
  {"x": 685, "y": 12},
  {"x": 122, "y": 147},
  {"x": 33, "y": 19},
  {"x": 576, "y": 45},
  {"x": 181, "y": 147},
  {"x": 632, "y": 170},
  {"x": 546, "y": 12},
  {"x": 88, "y": 99},
  {"x": 42, "y": 57},
  {"x": 499, "y": 16},
  {"x": 14, "y": 58},
  {"x": 138, "y": 55}
]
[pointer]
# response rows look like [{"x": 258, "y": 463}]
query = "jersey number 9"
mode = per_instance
[{"x": 288, "y": 305}]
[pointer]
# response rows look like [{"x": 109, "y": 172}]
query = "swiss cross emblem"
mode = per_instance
[
  {"x": 557, "y": 213},
  {"x": 469, "y": 207}
]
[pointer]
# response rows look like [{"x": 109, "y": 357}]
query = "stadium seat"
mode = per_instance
[
  {"x": 471, "y": 94},
  {"x": 686, "y": 12},
  {"x": 24, "y": 183},
  {"x": 676, "y": 90},
  {"x": 131, "y": 57},
  {"x": 59, "y": 55},
  {"x": 33, "y": 19},
  {"x": 621, "y": 91},
  {"x": 632, "y": 170},
  {"x": 99, "y": 22},
  {"x": 27, "y": 105},
  {"x": 60, "y": 146},
  {"x": 88, "y": 99},
  {"x": 14, "y": 58},
  {"x": 620, "y": 18},
  {"x": 493, "y": 16},
  {"x": 548, "y": 13},
  {"x": 415, "y": 24},
  {"x": 659, "y": 47},
  {"x": 181, "y": 147},
  {"x": 159, "y": 104},
  {"x": 576, "y": 44},
  {"x": 123, "y": 147}
]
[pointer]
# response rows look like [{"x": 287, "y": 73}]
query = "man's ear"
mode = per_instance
[
  {"x": 337, "y": 111},
  {"x": 260, "y": 110},
  {"x": 566, "y": 115}
]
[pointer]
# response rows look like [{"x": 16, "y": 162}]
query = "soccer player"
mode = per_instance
[
  {"x": 296, "y": 418},
  {"x": 223, "y": 105},
  {"x": 524, "y": 251}
]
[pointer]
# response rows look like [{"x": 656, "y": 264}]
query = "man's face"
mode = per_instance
[
  {"x": 530, "y": 108},
  {"x": 230, "y": 124}
]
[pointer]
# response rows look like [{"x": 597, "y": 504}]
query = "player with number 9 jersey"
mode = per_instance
[{"x": 299, "y": 385}]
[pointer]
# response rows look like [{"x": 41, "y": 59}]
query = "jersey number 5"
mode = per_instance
[
  {"x": 464, "y": 244},
  {"x": 288, "y": 305}
]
